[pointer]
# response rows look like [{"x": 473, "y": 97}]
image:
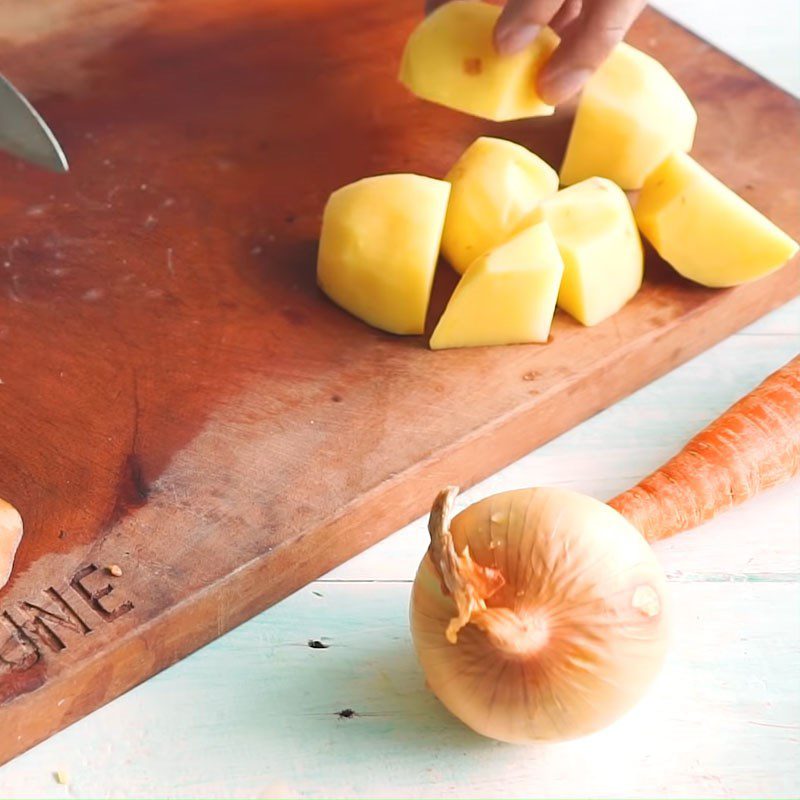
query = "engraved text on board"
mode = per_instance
[{"x": 30, "y": 629}]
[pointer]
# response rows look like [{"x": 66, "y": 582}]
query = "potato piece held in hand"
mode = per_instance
[
  {"x": 495, "y": 184},
  {"x": 10, "y": 537},
  {"x": 379, "y": 247},
  {"x": 596, "y": 233},
  {"x": 704, "y": 230},
  {"x": 631, "y": 116},
  {"x": 450, "y": 59},
  {"x": 507, "y": 296}
]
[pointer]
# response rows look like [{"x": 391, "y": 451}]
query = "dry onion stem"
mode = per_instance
[{"x": 537, "y": 614}]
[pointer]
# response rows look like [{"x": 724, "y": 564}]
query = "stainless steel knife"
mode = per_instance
[{"x": 23, "y": 132}]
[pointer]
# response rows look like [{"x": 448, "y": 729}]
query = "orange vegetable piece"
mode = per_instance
[{"x": 755, "y": 444}]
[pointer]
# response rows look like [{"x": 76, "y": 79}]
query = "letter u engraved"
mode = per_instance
[
  {"x": 18, "y": 651},
  {"x": 45, "y": 620}
]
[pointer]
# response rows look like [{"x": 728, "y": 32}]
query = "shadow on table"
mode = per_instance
[{"x": 365, "y": 693}]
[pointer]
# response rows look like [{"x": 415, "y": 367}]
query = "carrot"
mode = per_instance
[{"x": 755, "y": 444}]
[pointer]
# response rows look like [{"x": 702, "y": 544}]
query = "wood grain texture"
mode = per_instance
[
  {"x": 178, "y": 398},
  {"x": 251, "y": 715}
]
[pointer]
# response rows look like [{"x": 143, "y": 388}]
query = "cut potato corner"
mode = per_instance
[
  {"x": 595, "y": 230},
  {"x": 450, "y": 59},
  {"x": 495, "y": 183},
  {"x": 704, "y": 230},
  {"x": 379, "y": 246},
  {"x": 508, "y": 296},
  {"x": 10, "y": 537},
  {"x": 631, "y": 115}
]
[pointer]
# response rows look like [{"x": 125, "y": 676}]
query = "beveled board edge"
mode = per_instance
[{"x": 33, "y": 716}]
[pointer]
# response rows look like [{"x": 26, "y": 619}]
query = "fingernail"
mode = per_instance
[
  {"x": 556, "y": 87},
  {"x": 511, "y": 40}
]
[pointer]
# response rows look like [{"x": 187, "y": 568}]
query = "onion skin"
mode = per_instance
[{"x": 544, "y": 617}]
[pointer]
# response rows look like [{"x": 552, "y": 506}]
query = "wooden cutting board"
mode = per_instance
[{"x": 176, "y": 396}]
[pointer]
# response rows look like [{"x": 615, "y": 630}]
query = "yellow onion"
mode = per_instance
[{"x": 537, "y": 614}]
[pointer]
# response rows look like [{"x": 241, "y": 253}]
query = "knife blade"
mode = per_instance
[{"x": 24, "y": 133}]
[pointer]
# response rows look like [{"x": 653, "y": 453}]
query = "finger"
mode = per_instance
[
  {"x": 520, "y": 23},
  {"x": 584, "y": 46},
  {"x": 565, "y": 15},
  {"x": 432, "y": 5}
]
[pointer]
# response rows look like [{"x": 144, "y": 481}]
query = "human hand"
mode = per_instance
[{"x": 589, "y": 30}]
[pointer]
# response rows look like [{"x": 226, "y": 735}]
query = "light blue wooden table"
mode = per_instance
[{"x": 255, "y": 714}]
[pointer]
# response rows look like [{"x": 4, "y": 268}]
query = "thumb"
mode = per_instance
[{"x": 520, "y": 23}]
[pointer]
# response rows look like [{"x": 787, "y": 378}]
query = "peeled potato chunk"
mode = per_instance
[
  {"x": 596, "y": 233},
  {"x": 631, "y": 116},
  {"x": 450, "y": 59},
  {"x": 379, "y": 246},
  {"x": 704, "y": 230},
  {"x": 507, "y": 296},
  {"x": 495, "y": 184},
  {"x": 10, "y": 537}
]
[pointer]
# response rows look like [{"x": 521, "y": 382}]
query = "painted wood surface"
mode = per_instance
[
  {"x": 181, "y": 401},
  {"x": 254, "y": 713},
  {"x": 276, "y": 732}
]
